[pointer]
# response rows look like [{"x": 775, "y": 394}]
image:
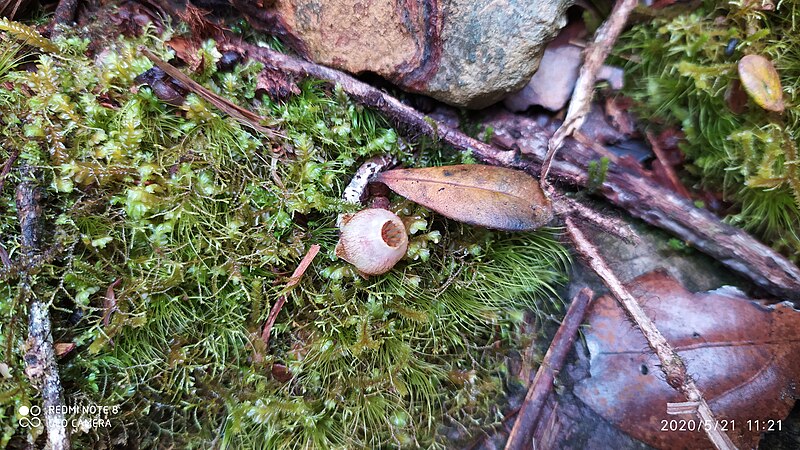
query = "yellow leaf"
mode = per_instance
[
  {"x": 761, "y": 81},
  {"x": 487, "y": 196}
]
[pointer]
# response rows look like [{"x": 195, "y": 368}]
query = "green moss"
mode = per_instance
[
  {"x": 194, "y": 224},
  {"x": 681, "y": 69},
  {"x": 597, "y": 171}
]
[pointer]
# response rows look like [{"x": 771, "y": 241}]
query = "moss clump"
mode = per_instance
[
  {"x": 192, "y": 225},
  {"x": 683, "y": 69}
]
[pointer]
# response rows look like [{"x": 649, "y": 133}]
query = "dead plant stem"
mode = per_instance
[
  {"x": 241, "y": 115},
  {"x": 542, "y": 386},
  {"x": 594, "y": 57},
  {"x": 668, "y": 169},
  {"x": 295, "y": 278}
]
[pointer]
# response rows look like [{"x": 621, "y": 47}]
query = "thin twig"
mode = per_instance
[
  {"x": 303, "y": 266},
  {"x": 566, "y": 206},
  {"x": 40, "y": 358},
  {"x": 671, "y": 363},
  {"x": 243, "y": 116},
  {"x": 595, "y": 56},
  {"x": 554, "y": 359},
  {"x": 7, "y": 167},
  {"x": 295, "y": 278}
]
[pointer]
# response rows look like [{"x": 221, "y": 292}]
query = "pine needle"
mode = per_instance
[{"x": 243, "y": 116}]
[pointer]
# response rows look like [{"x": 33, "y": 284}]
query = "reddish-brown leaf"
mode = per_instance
[
  {"x": 762, "y": 82},
  {"x": 736, "y": 97},
  {"x": 278, "y": 85},
  {"x": 742, "y": 355},
  {"x": 187, "y": 50},
  {"x": 487, "y": 196}
]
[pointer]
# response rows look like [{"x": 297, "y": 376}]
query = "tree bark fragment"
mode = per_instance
[{"x": 40, "y": 358}]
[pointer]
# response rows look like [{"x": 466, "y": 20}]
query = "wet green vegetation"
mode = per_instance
[
  {"x": 682, "y": 70},
  {"x": 173, "y": 230}
]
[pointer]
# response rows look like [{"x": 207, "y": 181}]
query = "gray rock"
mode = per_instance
[
  {"x": 552, "y": 85},
  {"x": 465, "y": 53},
  {"x": 491, "y": 48}
]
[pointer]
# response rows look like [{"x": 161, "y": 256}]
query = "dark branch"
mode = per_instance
[
  {"x": 553, "y": 360},
  {"x": 40, "y": 358}
]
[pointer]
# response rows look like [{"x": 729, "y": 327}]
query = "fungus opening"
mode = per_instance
[{"x": 392, "y": 234}]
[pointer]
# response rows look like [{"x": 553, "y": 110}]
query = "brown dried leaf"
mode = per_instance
[
  {"x": 742, "y": 355},
  {"x": 487, "y": 196},
  {"x": 187, "y": 50},
  {"x": 736, "y": 97},
  {"x": 278, "y": 85},
  {"x": 62, "y": 348},
  {"x": 762, "y": 82}
]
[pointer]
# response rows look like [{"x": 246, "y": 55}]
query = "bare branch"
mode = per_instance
[
  {"x": 671, "y": 363},
  {"x": 554, "y": 359},
  {"x": 668, "y": 170},
  {"x": 40, "y": 358},
  {"x": 594, "y": 57}
]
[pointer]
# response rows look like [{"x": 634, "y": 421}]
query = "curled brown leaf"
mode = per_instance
[{"x": 487, "y": 196}]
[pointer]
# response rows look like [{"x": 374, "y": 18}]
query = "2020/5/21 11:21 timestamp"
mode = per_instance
[
  {"x": 764, "y": 425},
  {"x": 761, "y": 426}
]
